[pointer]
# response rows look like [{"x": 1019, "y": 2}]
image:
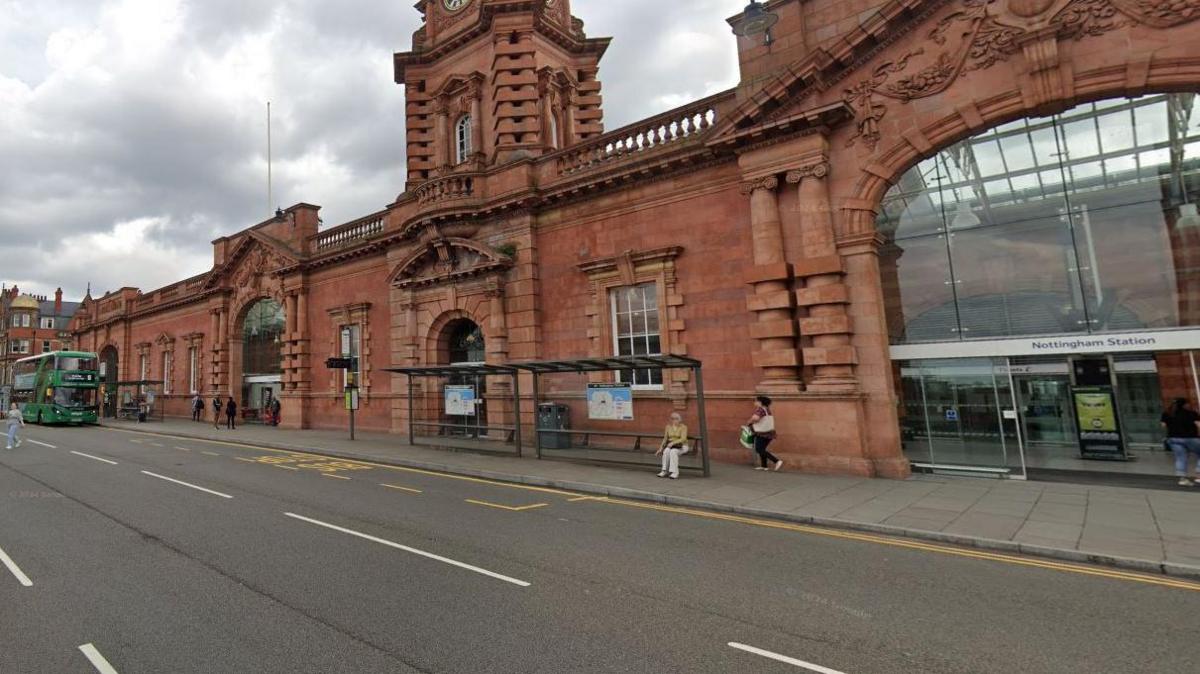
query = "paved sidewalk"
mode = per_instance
[{"x": 1148, "y": 530}]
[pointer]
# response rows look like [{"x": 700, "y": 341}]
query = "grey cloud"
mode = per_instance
[{"x": 158, "y": 140}]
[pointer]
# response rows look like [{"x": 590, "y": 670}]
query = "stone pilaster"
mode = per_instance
[
  {"x": 771, "y": 300},
  {"x": 827, "y": 328}
]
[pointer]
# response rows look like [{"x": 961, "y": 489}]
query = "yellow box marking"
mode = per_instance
[
  {"x": 504, "y": 507},
  {"x": 396, "y": 486}
]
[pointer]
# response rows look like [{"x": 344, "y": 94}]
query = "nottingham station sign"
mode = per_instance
[{"x": 1123, "y": 342}]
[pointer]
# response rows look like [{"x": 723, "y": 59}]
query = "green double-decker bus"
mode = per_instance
[{"x": 58, "y": 387}]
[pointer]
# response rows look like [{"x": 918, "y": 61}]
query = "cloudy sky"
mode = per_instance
[{"x": 133, "y": 132}]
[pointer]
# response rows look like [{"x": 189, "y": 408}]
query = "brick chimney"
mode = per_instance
[{"x": 58, "y": 302}]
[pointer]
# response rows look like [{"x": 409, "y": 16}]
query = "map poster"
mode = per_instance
[
  {"x": 610, "y": 402},
  {"x": 460, "y": 401}
]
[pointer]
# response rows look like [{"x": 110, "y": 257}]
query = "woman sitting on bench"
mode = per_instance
[{"x": 674, "y": 443}]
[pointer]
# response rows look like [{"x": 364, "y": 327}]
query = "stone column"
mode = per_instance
[
  {"x": 290, "y": 312},
  {"x": 827, "y": 327},
  {"x": 772, "y": 301},
  {"x": 476, "y": 123},
  {"x": 441, "y": 134}
]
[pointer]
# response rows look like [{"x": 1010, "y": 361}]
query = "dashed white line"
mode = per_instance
[
  {"x": 783, "y": 658},
  {"x": 405, "y": 548},
  {"x": 16, "y": 570},
  {"x": 183, "y": 449},
  {"x": 94, "y": 458},
  {"x": 209, "y": 453},
  {"x": 36, "y": 442},
  {"x": 186, "y": 484},
  {"x": 97, "y": 660}
]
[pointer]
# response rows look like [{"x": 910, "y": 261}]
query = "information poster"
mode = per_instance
[
  {"x": 460, "y": 401},
  {"x": 610, "y": 402},
  {"x": 1099, "y": 428}
]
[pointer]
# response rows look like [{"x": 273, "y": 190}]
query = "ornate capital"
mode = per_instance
[
  {"x": 770, "y": 183},
  {"x": 816, "y": 170}
]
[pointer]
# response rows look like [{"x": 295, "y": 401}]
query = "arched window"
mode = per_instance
[
  {"x": 261, "y": 334},
  {"x": 466, "y": 343},
  {"x": 462, "y": 139}
]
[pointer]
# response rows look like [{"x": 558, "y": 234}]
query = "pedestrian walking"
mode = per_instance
[
  {"x": 16, "y": 421},
  {"x": 216, "y": 405},
  {"x": 197, "y": 407},
  {"x": 762, "y": 423},
  {"x": 276, "y": 408},
  {"x": 231, "y": 414},
  {"x": 1182, "y": 425},
  {"x": 674, "y": 443}
]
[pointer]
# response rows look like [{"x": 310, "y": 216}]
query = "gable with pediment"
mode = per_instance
[{"x": 447, "y": 260}]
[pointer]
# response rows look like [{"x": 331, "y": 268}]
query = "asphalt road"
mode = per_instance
[{"x": 174, "y": 555}]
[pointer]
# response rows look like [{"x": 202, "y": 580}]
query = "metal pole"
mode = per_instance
[
  {"x": 537, "y": 437},
  {"x": 703, "y": 421},
  {"x": 516, "y": 378},
  {"x": 270, "y": 196},
  {"x": 350, "y": 404},
  {"x": 410, "y": 411}
]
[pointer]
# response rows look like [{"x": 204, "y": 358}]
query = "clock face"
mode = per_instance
[{"x": 455, "y": 5}]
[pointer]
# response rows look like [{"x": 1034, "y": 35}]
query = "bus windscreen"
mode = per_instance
[{"x": 74, "y": 397}]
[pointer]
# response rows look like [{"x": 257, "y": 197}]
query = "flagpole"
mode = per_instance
[{"x": 270, "y": 196}]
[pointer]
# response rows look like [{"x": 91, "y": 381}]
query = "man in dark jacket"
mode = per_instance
[{"x": 231, "y": 414}]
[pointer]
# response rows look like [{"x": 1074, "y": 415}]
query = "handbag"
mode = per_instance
[
  {"x": 746, "y": 437},
  {"x": 765, "y": 425}
]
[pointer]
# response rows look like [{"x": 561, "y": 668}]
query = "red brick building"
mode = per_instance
[
  {"x": 30, "y": 325},
  {"x": 764, "y": 230}
]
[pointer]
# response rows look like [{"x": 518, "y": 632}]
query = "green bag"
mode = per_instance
[{"x": 746, "y": 437}]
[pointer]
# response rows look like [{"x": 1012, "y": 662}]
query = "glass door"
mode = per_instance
[{"x": 966, "y": 405}]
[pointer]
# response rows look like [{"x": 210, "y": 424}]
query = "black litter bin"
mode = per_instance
[{"x": 553, "y": 416}]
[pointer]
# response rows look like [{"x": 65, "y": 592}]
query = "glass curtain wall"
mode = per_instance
[
  {"x": 1081, "y": 222},
  {"x": 262, "y": 352}
]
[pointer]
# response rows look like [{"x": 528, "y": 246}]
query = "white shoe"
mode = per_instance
[
  {"x": 18, "y": 443},
  {"x": 663, "y": 474},
  {"x": 760, "y": 468},
  {"x": 9, "y": 447},
  {"x": 778, "y": 465},
  {"x": 1183, "y": 481}
]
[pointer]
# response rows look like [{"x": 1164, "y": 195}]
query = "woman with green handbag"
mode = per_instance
[{"x": 762, "y": 423}]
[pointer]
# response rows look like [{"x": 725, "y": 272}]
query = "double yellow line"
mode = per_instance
[{"x": 1114, "y": 574}]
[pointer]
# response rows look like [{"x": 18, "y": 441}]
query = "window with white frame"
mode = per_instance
[
  {"x": 193, "y": 370},
  {"x": 352, "y": 348},
  {"x": 636, "y": 331},
  {"x": 46, "y": 346},
  {"x": 47, "y": 324},
  {"x": 462, "y": 139},
  {"x": 18, "y": 346},
  {"x": 166, "y": 372}
]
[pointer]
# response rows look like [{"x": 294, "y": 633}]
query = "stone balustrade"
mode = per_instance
[
  {"x": 351, "y": 232},
  {"x": 690, "y": 122},
  {"x": 447, "y": 188}
]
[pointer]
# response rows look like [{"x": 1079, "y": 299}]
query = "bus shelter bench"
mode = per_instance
[{"x": 655, "y": 440}]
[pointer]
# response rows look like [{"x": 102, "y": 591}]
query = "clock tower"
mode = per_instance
[{"x": 493, "y": 81}]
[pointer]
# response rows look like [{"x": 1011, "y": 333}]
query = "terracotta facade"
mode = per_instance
[{"x": 752, "y": 212}]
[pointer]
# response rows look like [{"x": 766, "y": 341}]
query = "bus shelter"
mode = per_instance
[
  {"x": 469, "y": 406},
  {"x": 133, "y": 399},
  {"x": 615, "y": 433}
]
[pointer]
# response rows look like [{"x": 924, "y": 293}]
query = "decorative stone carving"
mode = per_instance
[
  {"x": 770, "y": 183},
  {"x": 986, "y": 32},
  {"x": 445, "y": 260},
  {"x": 816, "y": 170}
]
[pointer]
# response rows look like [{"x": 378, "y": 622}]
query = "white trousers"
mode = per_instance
[{"x": 670, "y": 459}]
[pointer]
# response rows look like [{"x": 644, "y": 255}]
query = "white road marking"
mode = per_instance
[
  {"x": 339, "y": 477},
  {"x": 95, "y": 458},
  {"x": 97, "y": 660},
  {"x": 783, "y": 658},
  {"x": 210, "y": 453},
  {"x": 183, "y": 449},
  {"x": 16, "y": 570},
  {"x": 396, "y": 486},
  {"x": 186, "y": 484},
  {"x": 41, "y": 443},
  {"x": 405, "y": 548}
]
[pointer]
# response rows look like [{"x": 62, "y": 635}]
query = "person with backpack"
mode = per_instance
[
  {"x": 231, "y": 414},
  {"x": 762, "y": 424},
  {"x": 16, "y": 421},
  {"x": 216, "y": 405},
  {"x": 1182, "y": 425}
]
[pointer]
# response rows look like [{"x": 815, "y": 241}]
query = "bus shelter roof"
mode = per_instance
[
  {"x": 664, "y": 362},
  {"x": 452, "y": 370},
  {"x": 135, "y": 382}
]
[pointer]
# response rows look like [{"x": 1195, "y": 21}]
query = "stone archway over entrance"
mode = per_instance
[
  {"x": 259, "y": 346},
  {"x": 109, "y": 375},
  {"x": 461, "y": 342}
]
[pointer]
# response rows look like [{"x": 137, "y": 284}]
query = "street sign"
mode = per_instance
[
  {"x": 341, "y": 363},
  {"x": 352, "y": 398}
]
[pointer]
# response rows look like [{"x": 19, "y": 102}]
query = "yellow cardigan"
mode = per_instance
[{"x": 675, "y": 435}]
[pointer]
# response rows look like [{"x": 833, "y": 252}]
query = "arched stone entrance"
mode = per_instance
[
  {"x": 461, "y": 342},
  {"x": 109, "y": 375},
  {"x": 257, "y": 346}
]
